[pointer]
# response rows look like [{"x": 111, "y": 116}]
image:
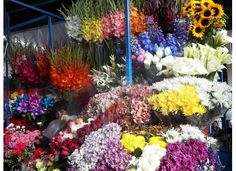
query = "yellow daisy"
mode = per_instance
[
  {"x": 198, "y": 30},
  {"x": 218, "y": 10}
]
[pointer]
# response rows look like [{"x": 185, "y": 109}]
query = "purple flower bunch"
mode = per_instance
[
  {"x": 34, "y": 104},
  {"x": 114, "y": 158},
  {"x": 156, "y": 35},
  {"x": 215, "y": 160},
  {"x": 181, "y": 31},
  {"x": 95, "y": 145},
  {"x": 138, "y": 53},
  {"x": 184, "y": 155}
]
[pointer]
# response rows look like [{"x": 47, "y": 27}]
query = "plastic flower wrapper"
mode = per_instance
[
  {"x": 150, "y": 159},
  {"x": 214, "y": 96},
  {"x": 213, "y": 59}
]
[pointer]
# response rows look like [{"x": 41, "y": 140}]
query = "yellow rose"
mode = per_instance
[
  {"x": 13, "y": 95},
  {"x": 158, "y": 140}
]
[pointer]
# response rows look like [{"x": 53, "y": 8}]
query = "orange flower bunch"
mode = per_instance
[
  {"x": 137, "y": 20},
  {"x": 68, "y": 71}
]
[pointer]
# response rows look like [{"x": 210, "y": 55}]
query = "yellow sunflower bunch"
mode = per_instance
[
  {"x": 184, "y": 100},
  {"x": 203, "y": 14}
]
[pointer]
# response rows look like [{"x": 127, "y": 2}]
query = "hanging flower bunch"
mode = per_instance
[
  {"x": 113, "y": 21},
  {"x": 137, "y": 21},
  {"x": 188, "y": 101},
  {"x": 204, "y": 14},
  {"x": 30, "y": 64},
  {"x": 68, "y": 71}
]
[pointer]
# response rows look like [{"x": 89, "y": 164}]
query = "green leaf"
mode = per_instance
[{"x": 138, "y": 152}]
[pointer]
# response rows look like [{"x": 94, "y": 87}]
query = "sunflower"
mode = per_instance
[
  {"x": 204, "y": 22},
  {"x": 207, "y": 13},
  {"x": 207, "y": 3},
  {"x": 218, "y": 10},
  {"x": 198, "y": 30},
  {"x": 219, "y": 23},
  {"x": 186, "y": 9},
  {"x": 196, "y": 18}
]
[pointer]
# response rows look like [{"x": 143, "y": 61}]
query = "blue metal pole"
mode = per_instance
[
  {"x": 37, "y": 9},
  {"x": 36, "y": 5},
  {"x": 128, "y": 44},
  {"x": 28, "y": 22},
  {"x": 50, "y": 33},
  {"x": 8, "y": 114}
]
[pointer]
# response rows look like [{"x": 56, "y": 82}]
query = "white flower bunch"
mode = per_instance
[
  {"x": 76, "y": 159},
  {"x": 211, "y": 93},
  {"x": 213, "y": 59},
  {"x": 73, "y": 27},
  {"x": 220, "y": 38},
  {"x": 150, "y": 159},
  {"x": 186, "y": 133},
  {"x": 180, "y": 66}
]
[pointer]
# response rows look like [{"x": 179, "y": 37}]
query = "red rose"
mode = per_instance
[
  {"x": 87, "y": 129},
  {"x": 80, "y": 132},
  {"x": 64, "y": 153},
  {"x": 37, "y": 153}
]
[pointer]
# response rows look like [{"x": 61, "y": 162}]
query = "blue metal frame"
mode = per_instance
[
  {"x": 128, "y": 44},
  {"x": 37, "y": 9},
  {"x": 50, "y": 33},
  {"x": 34, "y": 20},
  {"x": 7, "y": 29},
  {"x": 6, "y": 32},
  {"x": 36, "y": 5}
]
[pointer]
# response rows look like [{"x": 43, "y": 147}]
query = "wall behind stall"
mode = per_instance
[{"x": 39, "y": 35}]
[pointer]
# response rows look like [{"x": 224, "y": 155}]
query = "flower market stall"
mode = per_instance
[{"x": 133, "y": 89}]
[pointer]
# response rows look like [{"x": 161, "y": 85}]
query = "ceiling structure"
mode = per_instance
[{"x": 18, "y": 13}]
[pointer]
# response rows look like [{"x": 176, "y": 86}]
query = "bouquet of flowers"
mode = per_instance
[
  {"x": 18, "y": 143},
  {"x": 29, "y": 63},
  {"x": 205, "y": 15},
  {"x": 110, "y": 149},
  {"x": 201, "y": 104},
  {"x": 68, "y": 70},
  {"x": 30, "y": 105}
]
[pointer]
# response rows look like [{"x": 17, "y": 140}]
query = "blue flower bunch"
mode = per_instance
[
  {"x": 172, "y": 43},
  {"x": 146, "y": 42},
  {"x": 157, "y": 35},
  {"x": 181, "y": 31},
  {"x": 47, "y": 101},
  {"x": 135, "y": 46}
]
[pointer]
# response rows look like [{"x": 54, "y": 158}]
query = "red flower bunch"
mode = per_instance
[
  {"x": 22, "y": 122},
  {"x": 43, "y": 64},
  {"x": 66, "y": 142},
  {"x": 38, "y": 152},
  {"x": 68, "y": 71},
  {"x": 16, "y": 142}
]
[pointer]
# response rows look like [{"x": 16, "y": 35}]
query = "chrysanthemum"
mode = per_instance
[
  {"x": 198, "y": 30},
  {"x": 218, "y": 10}
]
